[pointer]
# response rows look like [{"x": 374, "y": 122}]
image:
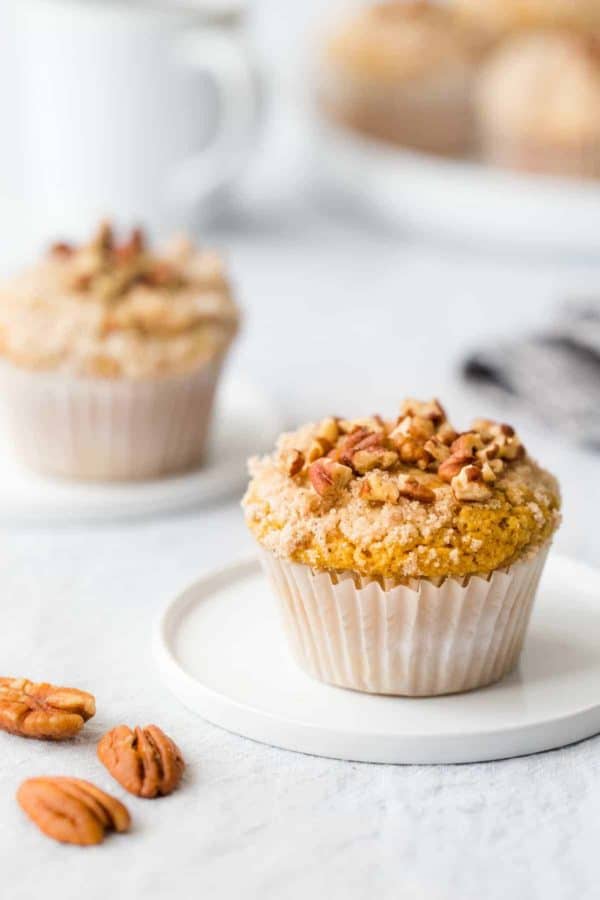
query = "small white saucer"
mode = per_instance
[
  {"x": 245, "y": 422},
  {"x": 220, "y": 650}
]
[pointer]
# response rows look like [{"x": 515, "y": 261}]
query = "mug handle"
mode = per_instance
[{"x": 213, "y": 50}]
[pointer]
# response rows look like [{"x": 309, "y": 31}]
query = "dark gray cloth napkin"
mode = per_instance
[{"x": 556, "y": 373}]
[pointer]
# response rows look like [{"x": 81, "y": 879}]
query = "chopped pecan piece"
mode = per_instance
[
  {"x": 437, "y": 449},
  {"x": 414, "y": 490},
  {"x": 318, "y": 448},
  {"x": 144, "y": 761},
  {"x": 71, "y": 810},
  {"x": 359, "y": 439},
  {"x": 446, "y": 433},
  {"x": 328, "y": 429},
  {"x": 379, "y": 490},
  {"x": 432, "y": 410},
  {"x": 367, "y": 424},
  {"x": 293, "y": 462},
  {"x": 452, "y": 466},
  {"x": 132, "y": 248},
  {"x": 466, "y": 444},
  {"x": 377, "y": 458},
  {"x": 61, "y": 249},
  {"x": 417, "y": 427},
  {"x": 490, "y": 469},
  {"x": 328, "y": 476},
  {"x": 484, "y": 427},
  {"x": 469, "y": 484},
  {"x": 43, "y": 710},
  {"x": 412, "y": 452}
]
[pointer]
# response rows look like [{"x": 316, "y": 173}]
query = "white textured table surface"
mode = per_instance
[
  {"x": 339, "y": 318},
  {"x": 336, "y": 319}
]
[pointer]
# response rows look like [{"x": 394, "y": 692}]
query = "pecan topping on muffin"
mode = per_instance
[
  {"x": 407, "y": 495},
  {"x": 342, "y": 449}
]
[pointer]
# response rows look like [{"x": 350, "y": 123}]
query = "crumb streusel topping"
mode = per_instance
[
  {"x": 109, "y": 309},
  {"x": 400, "y": 39},
  {"x": 407, "y": 497}
]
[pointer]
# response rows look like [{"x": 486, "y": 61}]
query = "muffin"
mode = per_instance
[
  {"x": 402, "y": 72},
  {"x": 111, "y": 354},
  {"x": 497, "y": 18},
  {"x": 538, "y": 104},
  {"x": 405, "y": 556}
]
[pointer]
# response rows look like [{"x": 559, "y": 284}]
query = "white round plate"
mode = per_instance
[
  {"x": 245, "y": 422},
  {"x": 460, "y": 198},
  {"x": 219, "y": 648}
]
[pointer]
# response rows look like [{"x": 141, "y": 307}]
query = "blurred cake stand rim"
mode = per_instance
[
  {"x": 245, "y": 422},
  {"x": 219, "y": 649},
  {"x": 458, "y": 198}
]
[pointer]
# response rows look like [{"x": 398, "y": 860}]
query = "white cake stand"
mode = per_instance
[
  {"x": 459, "y": 198},
  {"x": 245, "y": 422},
  {"x": 220, "y": 650}
]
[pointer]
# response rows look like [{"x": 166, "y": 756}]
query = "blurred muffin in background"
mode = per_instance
[
  {"x": 111, "y": 356},
  {"x": 538, "y": 104},
  {"x": 402, "y": 72},
  {"x": 497, "y": 18}
]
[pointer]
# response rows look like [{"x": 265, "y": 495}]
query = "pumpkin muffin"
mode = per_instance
[
  {"x": 538, "y": 104},
  {"x": 405, "y": 555},
  {"x": 402, "y": 72},
  {"x": 111, "y": 355},
  {"x": 497, "y": 18}
]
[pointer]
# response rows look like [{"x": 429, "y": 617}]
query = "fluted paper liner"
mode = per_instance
[
  {"x": 416, "y": 639},
  {"x": 108, "y": 429}
]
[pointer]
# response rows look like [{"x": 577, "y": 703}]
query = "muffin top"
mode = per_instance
[
  {"x": 108, "y": 309},
  {"x": 405, "y": 498},
  {"x": 545, "y": 85},
  {"x": 499, "y": 17},
  {"x": 399, "y": 40}
]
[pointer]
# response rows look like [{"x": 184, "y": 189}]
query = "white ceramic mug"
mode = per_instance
[{"x": 140, "y": 111}]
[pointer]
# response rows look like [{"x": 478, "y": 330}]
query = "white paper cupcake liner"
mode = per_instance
[
  {"x": 108, "y": 429},
  {"x": 417, "y": 639}
]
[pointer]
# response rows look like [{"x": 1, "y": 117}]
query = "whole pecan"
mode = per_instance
[
  {"x": 43, "y": 710},
  {"x": 71, "y": 810},
  {"x": 144, "y": 761}
]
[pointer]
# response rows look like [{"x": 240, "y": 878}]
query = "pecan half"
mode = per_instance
[
  {"x": 71, "y": 810},
  {"x": 144, "y": 761},
  {"x": 43, "y": 710}
]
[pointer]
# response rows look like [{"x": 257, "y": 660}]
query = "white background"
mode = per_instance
[{"x": 341, "y": 316}]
